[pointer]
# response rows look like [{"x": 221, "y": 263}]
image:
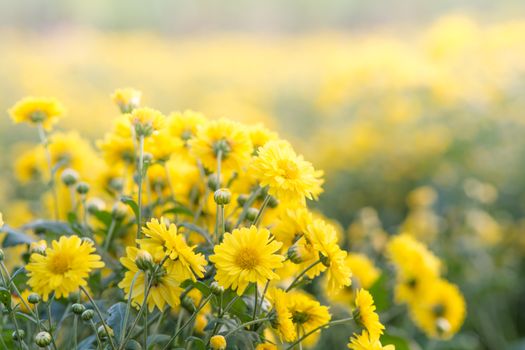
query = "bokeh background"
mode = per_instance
[{"x": 414, "y": 109}]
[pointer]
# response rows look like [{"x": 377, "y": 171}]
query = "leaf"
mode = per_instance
[
  {"x": 132, "y": 345},
  {"x": 14, "y": 237},
  {"x": 132, "y": 204},
  {"x": 116, "y": 318},
  {"x": 196, "y": 343},
  {"x": 103, "y": 216},
  {"x": 379, "y": 291},
  {"x": 179, "y": 210},
  {"x": 57, "y": 227},
  {"x": 157, "y": 339},
  {"x": 400, "y": 343},
  {"x": 87, "y": 343},
  {"x": 202, "y": 287}
]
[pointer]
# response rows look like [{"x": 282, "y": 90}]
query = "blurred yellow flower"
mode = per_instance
[
  {"x": 365, "y": 314},
  {"x": 364, "y": 342},
  {"x": 126, "y": 99},
  {"x": 282, "y": 320},
  {"x": 36, "y": 110}
]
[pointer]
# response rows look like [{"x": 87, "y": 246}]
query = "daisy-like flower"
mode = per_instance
[
  {"x": 289, "y": 177},
  {"x": 440, "y": 312},
  {"x": 183, "y": 126},
  {"x": 247, "y": 255},
  {"x": 146, "y": 121},
  {"x": 292, "y": 225},
  {"x": 260, "y": 136},
  {"x": 64, "y": 267},
  {"x": 164, "y": 290},
  {"x": 224, "y": 137},
  {"x": 126, "y": 99},
  {"x": 164, "y": 241},
  {"x": 117, "y": 150},
  {"x": 324, "y": 238},
  {"x": 307, "y": 313},
  {"x": 36, "y": 110},
  {"x": 364, "y": 342},
  {"x": 282, "y": 319},
  {"x": 365, "y": 314}
]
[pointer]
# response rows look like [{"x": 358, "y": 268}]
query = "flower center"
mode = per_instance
[
  {"x": 300, "y": 317},
  {"x": 289, "y": 168},
  {"x": 247, "y": 258},
  {"x": 59, "y": 265}
]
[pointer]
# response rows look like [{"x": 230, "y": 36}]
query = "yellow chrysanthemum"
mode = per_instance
[
  {"x": 224, "y": 137},
  {"x": 28, "y": 165},
  {"x": 146, "y": 121},
  {"x": 64, "y": 267},
  {"x": 117, "y": 150},
  {"x": 440, "y": 312},
  {"x": 289, "y": 177},
  {"x": 260, "y": 136},
  {"x": 292, "y": 225},
  {"x": 183, "y": 126},
  {"x": 164, "y": 290},
  {"x": 126, "y": 99},
  {"x": 364, "y": 273},
  {"x": 247, "y": 255},
  {"x": 164, "y": 241},
  {"x": 324, "y": 238},
  {"x": 282, "y": 320},
  {"x": 162, "y": 145},
  {"x": 365, "y": 314},
  {"x": 36, "y": 110},
  {"x": 307, "y": 313},
  {"x": 364, "y": 342}
]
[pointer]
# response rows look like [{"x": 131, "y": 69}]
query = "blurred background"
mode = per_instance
[{"x": 414, "y": 109}]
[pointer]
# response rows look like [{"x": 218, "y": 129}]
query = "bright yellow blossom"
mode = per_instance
[
  {"x": 364, "y": 342},
  {"x": 35, "y": 110},
  {"x": 365, "y": 314}
]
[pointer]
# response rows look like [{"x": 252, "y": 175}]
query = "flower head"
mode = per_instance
[
  {"x": 289, "y": 177},
  {"x": 35, "y": 110},
  {"x": 364, "y": 342},
  {"x": 183, "y": 126},
  {"x": 126, "y": 99},
  {"x": 247, "y": 255},
  {"x": 218, "y": 342},
  {"x": 282, "y": 320},
  {"x": 146, "y": 121},
  {"x": 64, "y": 267},
  {"x": 365, "y": 314},
  {"x": 307, "y": 313}
]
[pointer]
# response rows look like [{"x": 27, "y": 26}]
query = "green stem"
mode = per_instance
[
  {"x": 97, "y": 310},
  {"x": 75, "y": 332},
  {"x": 140, "y": 166},
  {"x": 45, "y": 143},
  {"x": 247, "y": 206},
  {"x": 146, "y": 286},
  {"x": 255, "y": 302},
  {"x": 11, "y": 311},
  {"x": 329, "y": 324},
  {"x": 244, "y": 325},
  {"x": 219, "y": 163},
  {"x": 111, "y": 231},
  {"x": 187, "y": 322},
  {"x": 99, "y": 342},
  {"x": 128, "y": 307},
  {"x": 50, "y": 323},
  {"x": 301, "y": 275},
  {"x": 261, "y": 211},
  {"x": 170, "y": 182}
]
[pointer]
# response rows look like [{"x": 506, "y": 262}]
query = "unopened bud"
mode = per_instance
[
  {"x": 216, "y": 288},
  {"x": 222, "y": 196},
  {"x": 19, "y": 335},
  {"x": 213, "y": 183},
  {"x": 294, "y": 254},
  {"x": 241, "y": 200},
  {"x": 88, "y": 315},
  {"x": 38, "y": 247},
  {"x": 324, "y": 259},
  {"x": 218, "y": 342},
  {"x": 442, "y": 325},
  {"x": 119, "y": 211},
  {"x": 33, "y": 298},
  {"x": 88, "y": 240},
  {"x": 103, "y": 333},
  {"x": 144, "y": 260},
  {"x": 69, "y": 177},
  {"x": 82, "y": 188},
  {"x": 252, "y": 213},
  {"x": 95, "y": 204},
  {"x": 43, "y": 339},
  {"x": 78, "y": 309},
  {"x": 188, "y": 304},
  {"x": 147, "y": 158},
  {"x": 273, "y": 202}
]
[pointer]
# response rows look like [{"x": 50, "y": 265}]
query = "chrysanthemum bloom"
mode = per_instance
[
  {"x": 164, "y": 290},
  {"x": 440, "y": 312},
  {"x": 146, "y": 121},
  {"x": 222, "y": 137},
  {"x": 218, "y": 342},
  {"x": 365, "y": 315},
  {"x": 289, "y": 177},
  {"x": 364, "y": 342},
  {"x": 126, "y": 99},
  {"x": 117, "y": 150},
  {"x": 162, "y": 145},
  {"x": 324, "y": 238},
  {"x": 292, "y": 225},
  {"x": 247, "y": 255},
  {"x": 164, "y": 241},
  {"x": 307, "y": 313},
  {"x": 36, "y": 110},
  {"x": 260, "y": 136},
  {"x": 64, "y": 267},
  {"x": 183, "y": 126},
  {"x": 282, "y": 318}
]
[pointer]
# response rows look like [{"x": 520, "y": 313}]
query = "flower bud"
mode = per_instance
[
  {"x": 324, "y": 260},
  {"x": 33, "y": 298},
  {"x": 82, "y": 188},
  {"x": 119, "y": 211},
  {"x": 87, "y": 240},
  {"x": 273, "y": 202},
  {"x": 126, "y": 99},
  {"x": 43, "y": 339},
  {"x": 213, "y": 183},
  {"x": 69, "y": 177},
  {"x": 252, "y": 213},
  {"x": 218, "y": 342},
  {"x": 188, "y": 304},
  {"x": 144, "y": 260},
  {"x": 241, "y": 200},
  {"x": 216, "y": 288},
  {"x": 78, "y": 309},
  {"x": 222, "y": 196},
  {"x": 95, "y": 204},
  {"x": 88, "y": 315},
  {"x": 116, "y": 184},
  {"x": 294, "y": 254},
  {"x": 147, "y": 158},
  {"x": 103, "y": 334},
  {"x": 38, "y": 247},
  {"x": 19, "y": 335}
]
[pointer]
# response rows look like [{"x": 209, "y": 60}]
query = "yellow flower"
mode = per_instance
[
  {"x": 324, "y": 239},
  {"x": 365, "y": 314},
  {"x": 260, "y": 136},
  {"x": 164, "y": 241},
  {"x": 1, "y": 220},
  {"x": 117, "y": 150},
  {"x": 224, "y": 137},
  {"x": 36, "y": 110},
  {"x": 184, "y": 125},
  {"x": 146, "y": 121},
  {"x": 266, "y": 346},
  {"x": 28, "y": 166},
  {"x": 126, "y": 99},
  {"x": 292, "y": 225},
  {"x": 162, "y": 145},
  {"x": 289, "y": 177},
  {"x": 247, "y": 255},
  {"x": 282, "y": 320},
  {"x": 440, "y": 312},
  {"x": 307, "y": 313},
  {"x": 218, "y": 342},
  {"x": 164, "y": 290},
  {"x": 364, "y": 342},
  {"x": 64, "y": 268}
]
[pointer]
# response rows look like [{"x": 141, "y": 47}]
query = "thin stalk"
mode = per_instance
[
  {"x": 244, "y": 325},
  {"x": 75, "y": 332},
  {"x": 140, "y": 168},
  {"x": 128, "y": 307},
  {"x": 99, "y": 342},
  {"x": 170, "y": 182},
  {"x": 111, "y": 231},
  {"x": 247, "y": 206},
  {"x": 50, "y": 323},
  {"x": 262, "y": 297},
  {"x": 97, "y": 310},
  {"x": 146, "y": 284},
  {"x": 255, "y": 302},
  {"x": 301, "y": 275},
  {"x": 219, "y": 163},
  {"x": 329, "y": 324},
  {"x": 45, "y": 143},
  {"x": 11, "y": 311},
  {"x": 261, "y": 211},
  {"x": 12, "y": 285},
  {"x": 187, "y": 322}
]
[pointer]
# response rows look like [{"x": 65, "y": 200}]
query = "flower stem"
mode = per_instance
[
  {"x": 261, "y": 211},
  {"x": 247, "y": 206},
  {"x": 97, "y": 310},
  {"x": 140, "y": 168},
  {"x": 301, "y": 275},
  {"x": 329, "y": 324},
  {"x": 45, "y": 143},
  {"x": 244, "y": 325},
  {"x": 111, "y": 231}
]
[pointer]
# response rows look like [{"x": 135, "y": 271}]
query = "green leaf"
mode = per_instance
[
  {"x": 14, "y": 237},
  {"x": 179, "y": 210},
  {"x": 116, "y": 318},
  {"x": 57, "y": 227},
  {"x": 196, "y": 343},
  {"x": 103, "y": 216},
  {"x": 133, "y": 345},
  {"x": 400, "y": 343},
  {"x": 157, "y": 339},
  {"x": 132, "y": 204},
  {"x": 379, "y": 291}
]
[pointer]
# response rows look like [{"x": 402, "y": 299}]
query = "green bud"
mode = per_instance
[
  {"x": 87, "y": 315},
  {"x": 103, "y": 334},
  {"x": 222, "y": 196},
  {"x": 252, "y": 213},
  {"x": 188, "y": 304},
  {"x": 294, "y": 255},
  {"x": 242, "y": 199},
  {"x": 324, "y": 260},
  {"x": 216, "y": 288},
  {"x": 19, "y": 335},
  {"x": 144, "y": 260},
  {"x": 273, "y": 202},
  {"x": 69, "y": 177},
  {"x": 43, "y": 339},
  {"x": 95, "y": 205},
  {"x": 78, "y": 309},
  {"x": 82, "y": 188},
  {"x": 213, "y": 183},
  {"x": 33, "y": 298}
]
